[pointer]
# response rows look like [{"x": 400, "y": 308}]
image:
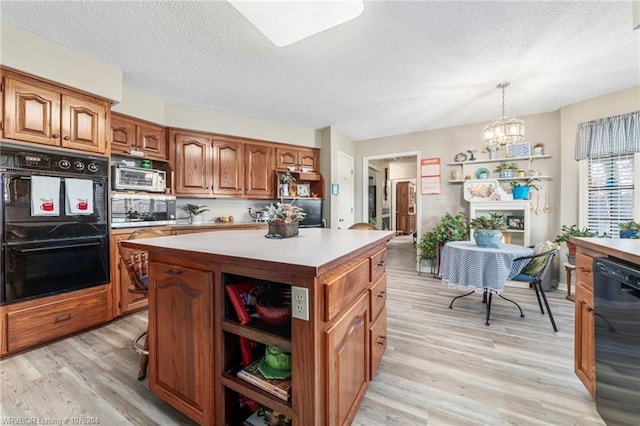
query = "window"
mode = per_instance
[{"x": 611, "y": 197}]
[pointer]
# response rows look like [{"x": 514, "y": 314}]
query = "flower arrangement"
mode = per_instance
[
  {"x": 287, "y": 178},
  {"x": 285, "y": 213}
]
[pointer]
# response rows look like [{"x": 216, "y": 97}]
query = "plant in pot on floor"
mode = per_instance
[
  {"x": 573, "y": 231},
  {"x": 505, "y": 170},
  {"x": 520, "y": 190},
  {"x": 194, "y": 211},
  {"x": 630, "y": 230},
  {"x": 488, "y": 230},
  {"x": 449, "y": 228}
]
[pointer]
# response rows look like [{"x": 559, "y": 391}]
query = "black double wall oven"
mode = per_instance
[{"x": 57, "y": 242}]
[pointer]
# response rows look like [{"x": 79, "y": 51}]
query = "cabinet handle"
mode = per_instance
[
  {"x": 133, "y": 145},
  {"x": 172, "y": 272},
  {"x": 381, "y": 340},
  {"x": 66, "y": 138},
  {"x": 590, "y": 309},
  {"x": 382, "y": 263},
  {"x": 55, "y": 136},
  {"x": 381, "y": 294},
  {"x": 583, "y": 269},
  {"x": 64, "y": 318}
]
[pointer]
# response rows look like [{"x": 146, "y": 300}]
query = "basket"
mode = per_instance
[{"x": 285, "y": 230}]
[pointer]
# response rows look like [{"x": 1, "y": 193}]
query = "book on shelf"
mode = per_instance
[
  {"x": 280, "y": 388},
  {"x": 242, "y": 297}
]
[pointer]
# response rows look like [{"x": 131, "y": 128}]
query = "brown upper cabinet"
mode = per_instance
[
  {"x": 222, "y": 166},
  {"x": 288, "y": 157},
  {"x": 44, "y": 113},
  {"x": 132, "y": 137}
]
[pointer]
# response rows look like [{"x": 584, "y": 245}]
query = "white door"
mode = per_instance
[{"x": 345, "y": 192}]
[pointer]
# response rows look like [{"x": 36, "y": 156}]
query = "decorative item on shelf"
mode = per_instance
[
  {"x": 521, "y": 173},
  {"x": 460, "y": 157},
  {"x": 520, "y": 190},
  {"x": 519, "y": 149},
  {"x": 488, "y": 230},
  {"x": 304, "y": 190},
  {"x": 492, "y": 149},
  {"x": 515, "y": 222},
  {"x": 479, "y": 190},
  {"x": 274, "y": 307},
  {"x": 276, "y": 363},
  {"x": 482, "y": 173},
  {"x": 505, "y": 169},
  {"x": 145, "y": 163},
  {"x": 538, "y": 149},
  {"x": 194, "y": 211},
  {"x": 629, "y": 230},
  {"x": 504, "y": 130},
  {"x": 472, "y": 155},
  {"x": 283, "y": 220},
  {"x": 455, "y": 174},
  {"x": 573, "y": 231}
]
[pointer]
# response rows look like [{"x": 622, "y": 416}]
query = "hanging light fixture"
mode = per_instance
[{"x": 504, "y": 130}]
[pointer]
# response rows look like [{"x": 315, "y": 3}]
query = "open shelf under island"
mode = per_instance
[{"x": 193, "y": 347}]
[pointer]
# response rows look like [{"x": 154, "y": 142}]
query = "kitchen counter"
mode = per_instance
[
  {"x": 625, "y": 249},
  {"x": 195, "y": 227},
  {"x": 337, "y": 338}
]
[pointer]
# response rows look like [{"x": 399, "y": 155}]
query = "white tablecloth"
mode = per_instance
[{"x": 466, "y": 266}]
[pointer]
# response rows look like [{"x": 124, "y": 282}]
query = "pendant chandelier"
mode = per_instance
[{"x": 505, "y": 130}]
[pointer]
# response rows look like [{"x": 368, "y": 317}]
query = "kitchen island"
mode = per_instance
[
  {"x": 336, "y": 345},
  {"x": 588, "y": 249}
]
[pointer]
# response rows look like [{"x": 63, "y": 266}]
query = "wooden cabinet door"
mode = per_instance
[
  {"x": 378, "y": 342},
  {"x": 193, "y": 164},
  {"x": 31, "y": 113},
  {"x": 152, "y": 140},
  {"x": 84, "y": 124},
  {"x": 286, "y": 157},
  {"x": 125, "y": 301},
  {"x": 228, "y": 167},
  {"x": 258, "y": 167},
  {"x": 181, "y": 316},
  {"x": 584, "y": 345},
  {"x": 123, "y": 135},
  {"x": 347, "y": 351},
  {"x": 308, "y": 158}
]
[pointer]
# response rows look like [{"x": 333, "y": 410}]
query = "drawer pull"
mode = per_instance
[
  {"x": 381, "y": 294},
  {"x": 583, "y": 269},
  {"x": 381, "y": 340},
  {"x": 382, "y": 263},
  {"x": 173, "y": 272},
  {"x": 61, "y": 319}
]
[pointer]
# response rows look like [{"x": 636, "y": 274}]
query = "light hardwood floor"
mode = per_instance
[{"x": 442, "y": 366}]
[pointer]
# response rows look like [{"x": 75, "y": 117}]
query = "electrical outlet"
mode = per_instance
[{"x": 300, "y": 299}]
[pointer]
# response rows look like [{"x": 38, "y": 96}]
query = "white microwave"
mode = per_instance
[{"x": 127, "y": 178}]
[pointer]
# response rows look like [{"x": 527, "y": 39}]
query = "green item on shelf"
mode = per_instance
[{"x": 276, "y": 364}]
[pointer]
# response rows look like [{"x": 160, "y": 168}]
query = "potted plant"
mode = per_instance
[
  {"x": 492, "y": 149},
  {"x": 505, "y": 169},
  {"x": 449, "y": 228},
  {"x": 488, "y": 229},
  {"x": 284, "y": 219},
  {"x": 194, "y": 211},
  {"x": 573, "y": 231},
  {"x": 520, "y": 190},
  {"x": 630, "y": 230},
  {"x": 538, "y": 149}
]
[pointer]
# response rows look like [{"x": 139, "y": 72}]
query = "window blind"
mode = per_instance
[{"x": 610, "y": 193}]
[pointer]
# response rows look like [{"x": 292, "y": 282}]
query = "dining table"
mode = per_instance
[{"x": 466, "y": 266}]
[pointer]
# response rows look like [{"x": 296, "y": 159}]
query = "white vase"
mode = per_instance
[
  {"x": 493, "y": 154},
  {"x": 196, "y": 219}
]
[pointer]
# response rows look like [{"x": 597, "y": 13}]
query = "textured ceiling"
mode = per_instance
[{"x": 400, "y": 67}]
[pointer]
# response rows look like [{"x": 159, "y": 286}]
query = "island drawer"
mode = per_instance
[
  {"x": 37, "y": 324},
  {"x": 342, "y": 288},
  {"x": 584, "y": 268},
  {"x": 377, "y": 297},
  {"x": 378, "y": 265},
  {"x": 378, "y": 339}
]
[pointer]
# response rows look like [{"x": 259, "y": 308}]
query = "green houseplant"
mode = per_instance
[
  {"x": 573, "y": 231},
  {"x": 194, "y": 210},
  {"x": 449, "y": 228},
  {"x": 488, "y": 229},
  {"x": 505, "y": 170},
  {"x": 630, "y": 230},
  {"x": 520, "y": 190}
]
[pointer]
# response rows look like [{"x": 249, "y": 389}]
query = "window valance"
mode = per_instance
[{"x": 619, "y": 134}]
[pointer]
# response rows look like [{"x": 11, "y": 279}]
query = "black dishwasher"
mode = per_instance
[{"x": 616, "y": 291}]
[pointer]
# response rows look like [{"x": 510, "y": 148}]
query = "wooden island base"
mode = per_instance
[{"x": 194, "y": 333}]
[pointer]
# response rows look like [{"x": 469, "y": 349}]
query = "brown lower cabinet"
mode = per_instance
[
  {"x": 584, "y": 344},
  {"x": 195, "y": 349}
]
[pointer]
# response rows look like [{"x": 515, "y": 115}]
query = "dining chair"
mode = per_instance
[
  {"x": 136, "y": 264},
  {"x": 535, "y": 273},
  {"x": 363, "y": 225}
]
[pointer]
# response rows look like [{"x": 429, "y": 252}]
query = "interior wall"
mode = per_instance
[{"x": 30, "y": 53}]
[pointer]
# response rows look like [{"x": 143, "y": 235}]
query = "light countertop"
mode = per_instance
[
  {"x": 313, "y": 247},
  {"x": 626, "y": 249}
]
